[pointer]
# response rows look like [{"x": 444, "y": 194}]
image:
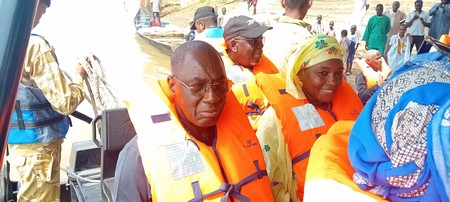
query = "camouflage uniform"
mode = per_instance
[{"x": 38, "y": 163}]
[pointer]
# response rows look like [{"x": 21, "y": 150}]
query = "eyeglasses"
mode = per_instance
[
  {"x": 257, "y": 42},
  {"x": 220, "y": 86}
]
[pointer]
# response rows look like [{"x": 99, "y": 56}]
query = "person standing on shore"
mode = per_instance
[
  {"x": 359, "y": 11},
  {"x": 253, "y": 3},
  {"x": 318, "y": 27},
  {"x": 376, "y": 31},
  {"x": 354, "y": 44},
  {"x": 395, "y": 15},
  {"x": 440, "y": 21},
  {"x": 345, "y": 43},
  {"x": 397, "y": 50},
  {"x": 156, "y": 11},
  {"x": 40, "y": 121},
  {"x": 222, "y": 18},
  {"x": 331, "y": 32},
  {"x": 416, "y": 21}
]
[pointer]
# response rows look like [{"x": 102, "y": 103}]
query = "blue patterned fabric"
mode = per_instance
[{"x": 399, "y": 146}]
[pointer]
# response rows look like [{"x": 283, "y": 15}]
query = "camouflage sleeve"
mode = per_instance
[{"x": 64, "y": 95}]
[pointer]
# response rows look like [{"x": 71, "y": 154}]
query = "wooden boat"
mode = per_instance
[{"x": 165, "y": 38}]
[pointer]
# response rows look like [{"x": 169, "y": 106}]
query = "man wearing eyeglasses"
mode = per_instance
[
  {"x": 193, "y": 142},
  {"x": 244, "y": 58}
]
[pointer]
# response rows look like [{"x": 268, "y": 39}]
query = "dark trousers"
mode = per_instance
[{"x": 421, "y": 45}]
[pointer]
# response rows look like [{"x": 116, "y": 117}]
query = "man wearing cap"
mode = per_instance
[
  {"x": 244, "y": 58},
  {"x": 205, "y": 22}
]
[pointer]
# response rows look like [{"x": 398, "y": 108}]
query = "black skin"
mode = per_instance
[{"x": 418, "y": 5}]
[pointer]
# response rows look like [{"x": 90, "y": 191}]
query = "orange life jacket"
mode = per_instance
[
  {"x": 346, "y": 105},
  {"x": 265, "y": 66},
  {"x": 445, "y": 39},
  {"x": 180, "y": 168},
  {"x": 252, "y": 99},
  {"x": 329, "y": 166},
  {"x": 370, "y": 75}
]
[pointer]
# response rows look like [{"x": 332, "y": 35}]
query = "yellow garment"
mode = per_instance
[
  {"x": 329, "y": 169},
  {"x": 315, "y": 49},
  {"x": 278, "y": 160},
  {"x": 37, "y": 164},
  {"x": 401, "y": 44}
]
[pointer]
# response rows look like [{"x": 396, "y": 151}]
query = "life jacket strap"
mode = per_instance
[
  {"x": 230, "y": 190},
  {"x": 158, "y": 118},
  {"x": 304, "y": 155},
  {"x": 244, "y": 86},
  {"x": 256, "y": 108},
  {"x": 81, "y": 116},
  {"x": 300, "y": 157},
  {"x": 37, "y": 124},
  {"x": 35, "y": 106},
  {"x": 282, "y": 91},
  {"x": 198, "y": 196},
  {"x": 20, "y": 124}
]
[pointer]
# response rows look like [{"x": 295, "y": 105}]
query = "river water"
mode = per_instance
[{"x": 104, "y": 27}]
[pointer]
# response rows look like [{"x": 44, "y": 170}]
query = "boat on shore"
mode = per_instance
[{"x": 166, "y": 38}]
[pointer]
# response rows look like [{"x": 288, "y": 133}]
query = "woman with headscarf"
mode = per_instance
[{"x": 305, "y": 102}]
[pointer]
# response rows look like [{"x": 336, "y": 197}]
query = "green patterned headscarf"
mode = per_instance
[{"x": 316, "y": 49}]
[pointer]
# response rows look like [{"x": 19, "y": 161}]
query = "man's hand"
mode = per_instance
[{"x": 80, "y": 71}]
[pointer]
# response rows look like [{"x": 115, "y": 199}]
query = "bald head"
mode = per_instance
[
  {"x": 373, "y": 59},
  {"x": 187, "y": 49},
  {"x": 371, "y": 53}
]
